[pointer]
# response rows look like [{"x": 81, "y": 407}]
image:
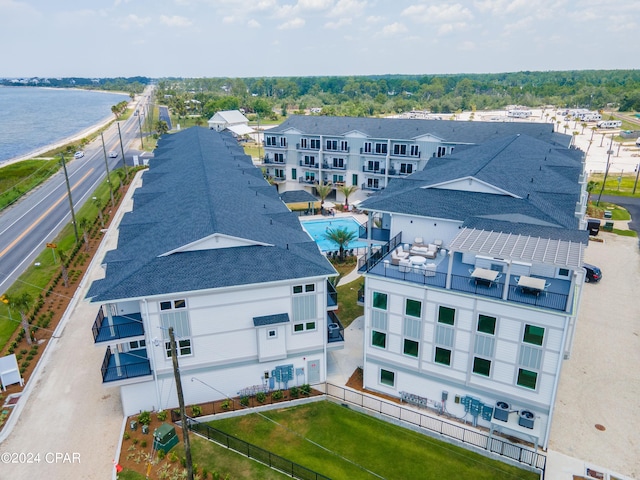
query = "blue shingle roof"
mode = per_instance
[
  {"x": 200, "y": 184},
  {"x": 270, "y": 319},
  {"x": 539, "y": 181}
]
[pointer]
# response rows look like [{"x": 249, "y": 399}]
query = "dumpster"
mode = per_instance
[
  {"x": 608, "y": 227},
  {"x": 164, "y": 438},
  {"x": 593, "y": 225}
]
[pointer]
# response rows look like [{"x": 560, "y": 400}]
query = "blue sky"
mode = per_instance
[{"x": 252, "y": 38}]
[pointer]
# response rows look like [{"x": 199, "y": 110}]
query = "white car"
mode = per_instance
[
  {"x": 78, "y": 154},
  {"x": 113, "y": 154}
]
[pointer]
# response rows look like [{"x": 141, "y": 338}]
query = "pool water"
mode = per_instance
[{"x": 318, "y": 228}]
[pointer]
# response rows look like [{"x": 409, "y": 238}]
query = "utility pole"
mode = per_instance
[
  {"x": 183, "y": 415},
  {"x": 106, "y": 166},
  {"x": 73, "y": 214},
  {"x": 606, "y": 171},
  {"x": 140, "y": 127},
  {"x": 124, "y": 162}
]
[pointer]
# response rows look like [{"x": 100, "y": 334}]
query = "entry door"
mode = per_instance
[{"x": 313, "y": 367}]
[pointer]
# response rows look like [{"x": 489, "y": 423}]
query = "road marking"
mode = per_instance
[{"x": 41, "y": 217}]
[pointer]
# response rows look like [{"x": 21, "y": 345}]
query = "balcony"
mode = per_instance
[
  {"x": 555, "y": 298},
  {"x": 399, "y": 173},
  {"x": 308, "y": 165},
  {"x": 373, "y": 171},
  {"x": 329, "y": 166},
  {"x": 332, "y": 296},
  {"x": 375, "y": 154},
  {"x": 277, "y": 178},
  {"x": 335, "y": 330},
  {"x": 378, "y": 235},
  {"x": 298, "y": 147},
  {"x": 308, "y": 180},
  {"x": 366, "y": 186},
  {"x": 121, "y": 326},
  {"x": 124, "y": 366},
  {"x": 270, "y": 161}
]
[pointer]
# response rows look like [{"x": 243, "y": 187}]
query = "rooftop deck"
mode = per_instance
[{"x": 555, "y": 297}]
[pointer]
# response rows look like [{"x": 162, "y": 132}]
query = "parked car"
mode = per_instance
[
  {"x": 78, "y": 154},
  {"x": 594, "y": 274},
  {"x": 113, "y": 154}
]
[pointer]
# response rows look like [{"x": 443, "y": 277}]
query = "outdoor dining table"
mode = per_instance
[
  {"x": 484, "y": 276},
  {"x": 531, "y": 285}
]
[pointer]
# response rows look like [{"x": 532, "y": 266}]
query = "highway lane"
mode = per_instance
[{"x": 36, "y": 219}]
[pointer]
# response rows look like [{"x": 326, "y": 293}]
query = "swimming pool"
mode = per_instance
[{"x": 318, "y": 228}]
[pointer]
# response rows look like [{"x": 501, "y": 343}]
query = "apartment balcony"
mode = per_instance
[
  {"x": 277, "y": 178},
  {"x": 277, "y": 147},
  {"x": 398, "y": 173},
  {"x": 374, "y": 154},
  {"x": 270, "y": 161},
  {"x": 124, "y": 366},
  {"x": 373, "y": 171},
  {"x": 329, "y": 166},
  {"x": 406, "y": 156},
  {"x": 332, "y": 296},
  {"x": 435, "y": 274},
  {"x": 118, "y": 328},
  {"x": 298, "y": 147},
  {"x": 313, "y": 166},
  {"x": 366, "y": 186},
  {"x": 335, "y": 330},
  {"x": 378, "y": 235},
  {"x": 338, "y": 150},
  {"x": 308, "y": 181}
]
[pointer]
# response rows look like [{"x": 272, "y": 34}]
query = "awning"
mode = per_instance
[{"x": 241, "y": 129}]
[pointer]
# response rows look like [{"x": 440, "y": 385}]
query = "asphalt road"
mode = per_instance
[
  {"x": 27, "y": 226},
  {"x": 632, "y": 204}
]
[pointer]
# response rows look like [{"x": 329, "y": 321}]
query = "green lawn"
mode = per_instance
[
  {"x": 21, "y": 177},
  {"x": 343, "y": 444}
]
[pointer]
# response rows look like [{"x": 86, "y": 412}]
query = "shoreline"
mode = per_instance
[{"x": 71, "y": 138}]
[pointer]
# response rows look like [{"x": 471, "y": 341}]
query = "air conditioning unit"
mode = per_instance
[
  {"x": 501, "y": 412},
  {"x": 526, "y": 419}
]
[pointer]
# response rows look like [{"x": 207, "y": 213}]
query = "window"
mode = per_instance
[
  {"x": 138, "y": 344},
  {"x": 410, "y": 347},
  {"x": 278, "y": 157},
  {"x": 481, "y": 366},
  {"x": 309, "y": 160},
  {"x": 354, "y": 179},
  {"x": 344, "y": 146},
  {"x": 380, "y": 300},
  {"x": 414, "y": 151},
  {"x": 304, "y": 307},
  {"x": 179, "y": 320},
  {"x": 173, "y": 304},
  {"x": 446, "y": 315},
  {"x": 272, "y": 334},
  {"x": 338, "y": 179},
  {"x": 309, "y": 176},
  {"x": 315, "y": 143},
  {"x": 294, "y": 174},
  {"x": 311, "y": 287},
  {"x": 406, "y": 168},
  {"x": 283, "y": 141},
  {"x": 413, "y": 308},
  {"x": 379, "y": 339},
  {"x": 399, "y": 149},
  {"x": 387, "y": 377},
  {"x": 527, "y": 378},
  {"x": 381, "y": 148},
  {"x": 338, "y": 163},
  {"x": 297, "y": 289},
  {"x": 442, "y": 151},
  {"x": 303, "y": 143},
  {"x": 373, "y": 166},
  {"x": 486, "y": 324},
  {"x": 373, "y": 183},
  {"x": 332, "y": 145},
  {"x": 367, "y": 147},
  {"x": 533, "y": 335},
  {"x": 443, "y": 356},
  {"x": 304, "y": 326},
  {"x": 563, "y": 272},
  {"x": 278, "y": 173},
  {"x": 271, "y": 141}
]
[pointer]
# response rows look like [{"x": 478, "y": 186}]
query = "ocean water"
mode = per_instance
[{"x": 32, "y": 118}]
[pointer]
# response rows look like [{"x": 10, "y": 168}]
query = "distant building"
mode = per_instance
[
  {"x": 210, "y": 250},
  {"x": 232, "y": 120}
]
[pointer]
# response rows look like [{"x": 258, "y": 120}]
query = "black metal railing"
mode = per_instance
[
  {"x": 103, "y": 332},
  {"x": 367, "y": 262},
  {"x": 504, "y": 448},
  {"x": 332, "y": 295},
  {"x": 249, "y": 450},
  {"x": 124, "y": 371},
  {"x": 97, "y": 324}
]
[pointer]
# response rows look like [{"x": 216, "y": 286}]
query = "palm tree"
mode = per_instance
[
  {"x": 161, "y": 127},
  {"x": 342, "y": 237},
  {"x": 347, "y": 191},
  {"x": 591, "y": 186},
  {"x": 63, "y": 266},
  {"x": 84, "y": 225},
  {"x": 22, "y": 303},
  {"x": 323, "y": 191}
]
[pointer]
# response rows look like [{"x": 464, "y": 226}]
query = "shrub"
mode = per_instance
[
  {"x": 277, "y": 395},
  {"x": 196, "y": 410},
  {"x": 305, "y": 389},
  {"x": 261, "y": 397},
  {"x": 294, "y": 392},
  {"x": 126, "y": 436},
  {"x": 226, "y": 404},
  {"x": 144, "y": 418},
  {"x": 24, "y": 351},
  {"x": 135, "y": 441},
  {"x": 161, "y": 415},
  {"x": 244, "y": 401},
  {"x": 173, "y": 457},
  {"x": 143, "y": 444},
  {"x": 161, "y": 454}
]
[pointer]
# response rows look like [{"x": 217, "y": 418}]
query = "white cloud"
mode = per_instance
[
  {"x": 134, "y": 21},
  {"x": 393, "y": 29},
  {"x": 292, "y": 24},
  {"x": 446, "y": 28},
  {"x": 175, "y": 21},
  {"x": 374, "y": 19},
  {"x": 315, "y": 4},
  {"x": 340, "y": 23},
  {"x": 253, "y": 24},
  {"x": 348, "y": 8},
  {"x": 449, "y": 13},
  {"x": 229, "y": 19}
]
